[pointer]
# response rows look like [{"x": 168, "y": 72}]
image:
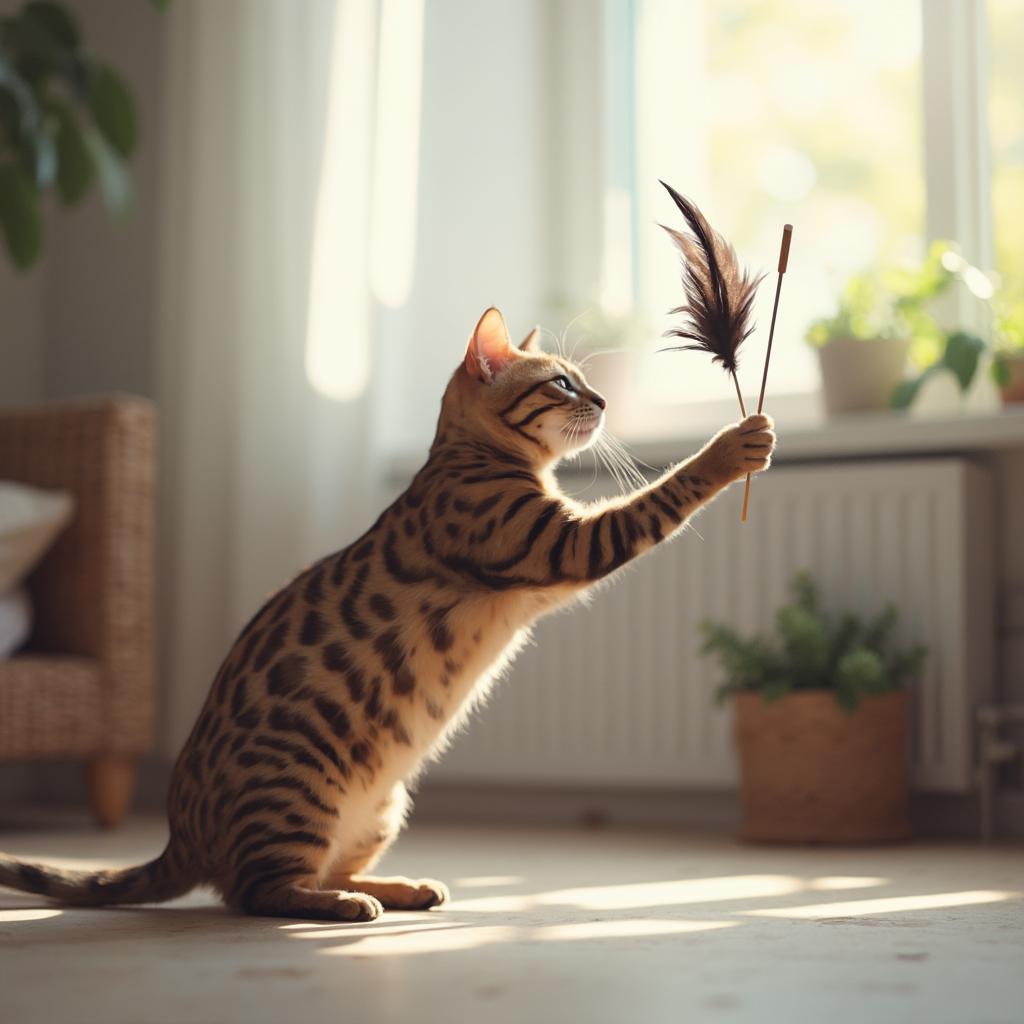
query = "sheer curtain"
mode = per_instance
[{"x": 265, "y": 311}]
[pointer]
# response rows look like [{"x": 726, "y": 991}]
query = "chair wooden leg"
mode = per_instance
[{"x": 110, "y": 780}]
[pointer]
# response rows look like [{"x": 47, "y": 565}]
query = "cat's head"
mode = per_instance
[{"x": 522, "y": 397}]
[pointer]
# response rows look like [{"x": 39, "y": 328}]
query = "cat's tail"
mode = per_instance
[{"x": 162, "y": 879}]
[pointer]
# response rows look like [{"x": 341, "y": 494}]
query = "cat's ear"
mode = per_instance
[
  {"x": 490, "y": 349},
  {"x": 531, "y": 343}
]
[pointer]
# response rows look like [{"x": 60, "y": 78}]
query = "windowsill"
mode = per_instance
[
  {"x": 863, "y": 435},
  {"x": 806, "y": 439}
]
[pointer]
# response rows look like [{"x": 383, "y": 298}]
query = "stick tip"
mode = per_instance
[{"x": 787, "y": 237}]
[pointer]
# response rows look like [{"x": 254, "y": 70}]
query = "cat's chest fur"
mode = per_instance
[{"x": 482, "y": 633}]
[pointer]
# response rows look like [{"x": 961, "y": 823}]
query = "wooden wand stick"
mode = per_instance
[{"x": 787, "y": 237}]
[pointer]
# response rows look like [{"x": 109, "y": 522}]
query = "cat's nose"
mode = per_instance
[{"x": 598, "y": 399}]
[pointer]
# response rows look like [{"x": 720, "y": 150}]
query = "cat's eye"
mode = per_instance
[{"x": 564, "y": 383}]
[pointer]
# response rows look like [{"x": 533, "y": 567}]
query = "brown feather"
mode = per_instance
[{"x": 719, "y": 292}]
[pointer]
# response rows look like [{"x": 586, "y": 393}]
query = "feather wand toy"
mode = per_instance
[
  {"x": 787, "y": 237},
  {"x": 719, "y": 293}
]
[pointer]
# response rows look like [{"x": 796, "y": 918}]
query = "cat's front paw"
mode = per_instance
[{"x": 743, "y": 448}]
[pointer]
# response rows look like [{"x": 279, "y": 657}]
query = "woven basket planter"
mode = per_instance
[{"x": 811, "y": 772}]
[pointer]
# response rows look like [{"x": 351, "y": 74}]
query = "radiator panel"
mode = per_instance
[{"x": 615, "y": 693}]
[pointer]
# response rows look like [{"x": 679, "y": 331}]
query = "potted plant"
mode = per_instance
[
  {"x": 821, "y": 723},
  {"x": 883, "y": 318},
  {"x": 1008, "y": 363},
  {"x": 67, "y": 120},
  {"x": 862, "y": 349}
]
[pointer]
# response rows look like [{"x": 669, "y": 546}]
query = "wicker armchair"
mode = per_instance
[{"x": 84, "y": 688}]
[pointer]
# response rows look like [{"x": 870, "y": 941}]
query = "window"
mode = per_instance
[
  {"x": 834, "y": 115},
  {"x": 768, "y": 111}
]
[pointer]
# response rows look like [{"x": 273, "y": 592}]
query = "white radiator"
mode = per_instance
[{"x": 616, "y": 693}]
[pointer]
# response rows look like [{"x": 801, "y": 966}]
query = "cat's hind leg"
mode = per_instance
[{"x": 366, "y": 847}]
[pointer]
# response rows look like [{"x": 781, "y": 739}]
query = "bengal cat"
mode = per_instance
[{"x": 292, "y": 782}]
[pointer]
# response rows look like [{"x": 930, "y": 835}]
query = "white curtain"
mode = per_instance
[{"x": 265, "y": 312}]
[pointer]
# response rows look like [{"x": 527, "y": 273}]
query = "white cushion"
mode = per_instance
[
  {"x": 15, "y": 621},
  {"x": 30, "y": 520}
]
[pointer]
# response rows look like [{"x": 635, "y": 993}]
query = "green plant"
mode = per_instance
[
  {"x": 66, "y": 120},
  {"x": 813, "y": 650},
  {"x": 895, "y": 304},
  {"x": 1008, "y": 331}
]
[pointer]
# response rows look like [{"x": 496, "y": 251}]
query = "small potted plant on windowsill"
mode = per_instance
[
  {"x": 1008, "y": 362},
  {"x": 884, "y": 318},
  {"x": 821, "y": 723},
  {"x": 862, "y": 349}
]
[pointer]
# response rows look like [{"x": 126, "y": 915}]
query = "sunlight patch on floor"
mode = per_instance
[
  {"x": 436, "y": 939},
  {"x": 888, "y": 905},
  {"x": 487, "y": 881},
  {"x": 676, "y": 893},
  {"x": 632, "y": 928},
  {"x": 29, "y": 914}
]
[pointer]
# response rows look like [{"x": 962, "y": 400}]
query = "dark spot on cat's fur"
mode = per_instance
[
  {"x": 373, "y": 701},
  {"x": 282, "y": 607},
  {"x": 440, "y": 635},
  {"x": 363, "y": 551},
  {"x": 313, "y": 628},
  {"x": 453, "y": 530},
  {"x": 274, "y": 642},
  {"x": 248, "y": 719},
  {"x": 215, "y": 750},
  {"x": 334, "y": 715},
  {"x": 339, "y": 567},
  {"x": 286, "y": 675},
  {"x": 360, "y": 752},
  {"x": 336, "y": 658},
  {"x": 283, "y": 719},
  {"x": 314, "y": 590},
  {"x": 485, "y": 506},
  {"x": 383, "y": 607}
]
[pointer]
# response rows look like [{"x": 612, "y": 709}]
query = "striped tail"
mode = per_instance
[{"x": 159, "y": 880}]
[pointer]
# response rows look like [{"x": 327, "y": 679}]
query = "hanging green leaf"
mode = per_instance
[
  {"x": 112, "y": 108},
  {"x": 962, "y": 353},
  {"x": 75, "y": 168},
  {"x": 20, "y": 218},
  {"x": 113, "y": 177},
  {"x": 906, "y": 391}
]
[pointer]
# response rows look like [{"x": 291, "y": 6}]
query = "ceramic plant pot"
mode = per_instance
[
  {"x": 811, "y": 772},
  {"x": 858, "y": 375},
  {"x": 1013, "y": 390}
]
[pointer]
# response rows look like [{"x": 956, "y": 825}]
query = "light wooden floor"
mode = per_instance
[{"x": 546, "y": 925}]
